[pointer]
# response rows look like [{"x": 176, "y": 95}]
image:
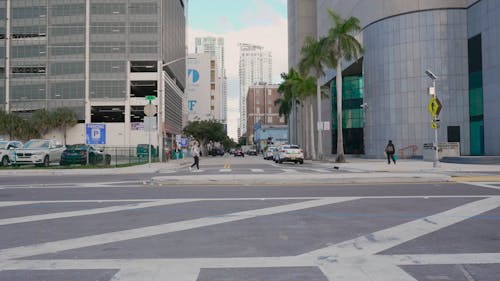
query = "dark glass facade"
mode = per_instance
[
  {"x": 476, "y": 104},
  {"x": 352, "y": 115}
]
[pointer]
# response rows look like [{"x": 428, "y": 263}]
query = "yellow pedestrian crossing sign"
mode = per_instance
[
  {"x": 434, "y": 124},
  {"x": 434, "y": 106}
]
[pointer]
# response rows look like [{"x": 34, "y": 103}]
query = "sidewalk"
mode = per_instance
[
  {"x": 356, "y": 170},
  {"x": 137, "y": 169}
]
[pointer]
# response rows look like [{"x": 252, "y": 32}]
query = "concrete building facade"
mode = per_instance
[
  {"x": 457, "y": 40},
  {"x": 255, "y": 66},
  {"x": 215, "y": 47},
  {"x": 99, "y": 58},
  {"x": 203, "y": 90}
]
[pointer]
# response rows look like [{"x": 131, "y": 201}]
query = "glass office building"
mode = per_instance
[
  {"x": 99, "y": 58},
  {"x": 457, "y": 40}
]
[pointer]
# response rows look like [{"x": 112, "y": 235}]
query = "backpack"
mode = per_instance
[{"x": 389, "y": 149}]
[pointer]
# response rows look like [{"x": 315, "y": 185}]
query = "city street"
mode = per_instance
[{"x": 121, "y": 227}]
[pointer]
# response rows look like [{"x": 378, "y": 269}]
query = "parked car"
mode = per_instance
[
  {"x": 268, "y": 153},
  {"x": 142, "y": 150},
  {"x": 216, "y": 152},
  {"x": 77, "y": 154},
  {"x": 252, "y": 152},
  {"x": 232, "y": 150},
  {"x": 239, "y": 152},
  {"x": 290, "y": 153},
  {"x": 39, "y": 152},
  {"x": 7, "y": 151}
]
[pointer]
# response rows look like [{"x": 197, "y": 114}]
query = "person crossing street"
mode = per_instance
[{"x": 195, "y": 152}]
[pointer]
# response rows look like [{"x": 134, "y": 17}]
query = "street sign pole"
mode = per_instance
[
  {"x": 436, "y": 144},
  {"x": 434, "y": 108},
  {"x": 149, "y": 113}
]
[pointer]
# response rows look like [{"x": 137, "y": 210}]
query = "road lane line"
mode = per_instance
[
  {"x": 393, "y": 236},
  {"x": 257, "y": 170},
  {"x": 93, "y": 211},
  {"x": 99, "y": 239},
  {"x": 483, "y": 184}
]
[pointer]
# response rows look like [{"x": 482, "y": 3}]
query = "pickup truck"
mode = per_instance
[{"x": 39, "y": 152}]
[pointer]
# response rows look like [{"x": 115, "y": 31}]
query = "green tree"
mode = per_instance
[
  {"x": 315, "y": 57},
  {"x": 205, "y": 131},
  {"x": 63, "y": 118},
  {"x": 342, "y": 45},
  {"x": 296, "y": 89},
  {"x": 304, "y": 88},
  {"x": 228, "y": 143},
  {"x": 13, "y": 125},
  {"x": 242, "y": 141},
  {"x": 41, "y": 121}
]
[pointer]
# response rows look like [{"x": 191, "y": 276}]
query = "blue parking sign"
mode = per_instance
[{"x": 95, "y": 134}]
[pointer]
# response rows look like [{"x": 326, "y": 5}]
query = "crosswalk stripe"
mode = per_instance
[
  {"x": 225, "y": 170},
  {"x": 257, "y": 171}
]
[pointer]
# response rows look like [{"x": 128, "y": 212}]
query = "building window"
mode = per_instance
[
  {"x": 107, "y": 114},
  {"x": 141, "y": 89},
  {"x": 453, "y": 133},
  {"x": 143, "y": 66}
]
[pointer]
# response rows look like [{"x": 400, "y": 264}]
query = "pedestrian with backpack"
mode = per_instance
[{"x": 389, "y": 151}]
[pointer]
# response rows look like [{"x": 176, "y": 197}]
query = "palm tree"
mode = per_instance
[
  {"x": 286, "y": 103},
  {"x": 342, "y": 45},
  {"x": 12, "y": 125},
  {"x": 315, "y": 57},
  {"x": 41, "y": 121},
  {"x": 295, "y": 88},
  {"x": 63, "y": 118},
  {"x": 304, "y": 88}
]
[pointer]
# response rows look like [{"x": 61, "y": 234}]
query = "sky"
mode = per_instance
[{"x": 260, "y": 22}]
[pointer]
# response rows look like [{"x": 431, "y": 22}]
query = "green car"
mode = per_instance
[
  {"x": 77, "y": 154},
  {"x": 142, "y": 151}
]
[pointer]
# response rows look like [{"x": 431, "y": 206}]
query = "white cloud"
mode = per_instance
[{"x": 273, "y": 37}]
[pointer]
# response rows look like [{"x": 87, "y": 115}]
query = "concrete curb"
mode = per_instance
[{"x": 298, "y": 179}]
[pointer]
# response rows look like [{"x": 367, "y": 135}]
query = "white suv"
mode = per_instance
[
  {"x": 7, "y": 151},
  {"x": 289, "y": 153}
]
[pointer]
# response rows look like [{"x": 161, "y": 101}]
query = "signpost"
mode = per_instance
[
  {"x": 434, "y": 108},
  {"x": 150, "y": 111}
]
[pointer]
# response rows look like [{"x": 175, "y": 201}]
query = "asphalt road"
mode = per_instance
[{"x": 116, "y": 228}]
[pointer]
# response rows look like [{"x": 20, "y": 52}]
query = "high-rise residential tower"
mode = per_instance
[
  {"x": 99, "y": 58},
  {"x": 214, "y": 46},
  {"x": 255, "y": 67}
]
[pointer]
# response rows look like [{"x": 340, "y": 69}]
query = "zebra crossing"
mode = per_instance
[{"x": 228, "y": 170}]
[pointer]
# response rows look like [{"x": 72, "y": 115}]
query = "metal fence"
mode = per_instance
[{"x": 128, "y": 155}]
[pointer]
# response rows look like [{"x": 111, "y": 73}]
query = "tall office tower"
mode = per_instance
[
  {"x": 255, "y": 67},
  {"x": 215, "y": 47},
  {"x": 384, "y": 93},
  {"x": 99, "y": 58}
]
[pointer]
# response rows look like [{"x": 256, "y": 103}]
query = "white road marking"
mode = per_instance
[
  {"x": 257, "y": 170},
  {"x": 355, "y": 259},
  {"x": 99, "y": 239},
  {"x": 393, "y": 236},
  {"x": 484, "y": 184},
  {"x": 94, "y": 211},
  {"x": 225, "y": 170}
]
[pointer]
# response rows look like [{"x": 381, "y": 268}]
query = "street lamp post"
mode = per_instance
[{"x": 434, "y": 113}]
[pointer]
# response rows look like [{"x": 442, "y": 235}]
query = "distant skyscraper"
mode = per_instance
[
  {"x": 255, "y": 67},
  {"x": 215, "y": 47}
]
